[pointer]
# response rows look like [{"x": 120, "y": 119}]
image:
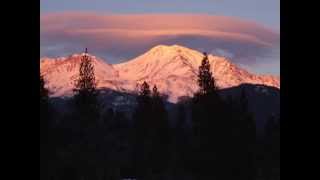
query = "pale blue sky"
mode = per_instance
[{"x": 265, "y": 12}]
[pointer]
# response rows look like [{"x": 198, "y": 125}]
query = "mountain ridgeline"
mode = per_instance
[
  {"x": 171, "y": 113},
  {"x": 173, "y": 69}
]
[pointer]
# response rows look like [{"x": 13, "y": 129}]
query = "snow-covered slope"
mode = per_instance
[
  {"x": 60, "y": 74},
  {"x": 172, "y": 68}
]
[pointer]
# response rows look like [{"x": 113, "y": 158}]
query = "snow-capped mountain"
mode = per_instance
[{"x": 172, "y": 68}]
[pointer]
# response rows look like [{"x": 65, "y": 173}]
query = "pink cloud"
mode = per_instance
[{"x": 125, "y": 36}]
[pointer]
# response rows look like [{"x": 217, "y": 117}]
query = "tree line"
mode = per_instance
[{"x": 94, "y": 142}]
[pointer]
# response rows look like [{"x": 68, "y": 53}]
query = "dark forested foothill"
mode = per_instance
[{"x": 207, "y": 136}]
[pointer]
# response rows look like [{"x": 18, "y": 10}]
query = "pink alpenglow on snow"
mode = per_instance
[{"x": 172, "y": 68}]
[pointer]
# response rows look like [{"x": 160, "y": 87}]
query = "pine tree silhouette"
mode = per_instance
[
  {"x": 142, "y": 117},
  {"x": 161, "y": 135},
  {"x": 44, "y": 92},
  {"x": 85, "y": 97},
  {"x": 206, "y": 81},
  {"x": 83, "y": 129},
  {"x": 206, "y": 99},
  {"x": 48, "y": 134},
  {"x": 45, "y": 113},
  {"x": 44, "y": 122},
  {"x": 212, "y": 131},
  {"x": 145, "y": 90},
  {"x": 152, "y": 133},
  {"x": 44, "y": 105}
]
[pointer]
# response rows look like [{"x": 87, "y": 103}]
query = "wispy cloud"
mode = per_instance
[{"x": 119, "y": 37}]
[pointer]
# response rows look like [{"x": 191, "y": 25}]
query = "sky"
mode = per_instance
[{"x": 246, "y": 31}]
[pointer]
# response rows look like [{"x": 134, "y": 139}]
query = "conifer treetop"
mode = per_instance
[{"x": 205, "y": 79}]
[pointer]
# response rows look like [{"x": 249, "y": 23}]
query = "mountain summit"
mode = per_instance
[{"x": 172, "y": 68}]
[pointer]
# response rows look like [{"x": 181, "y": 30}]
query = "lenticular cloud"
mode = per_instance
[{"x": 125, "y": 36}]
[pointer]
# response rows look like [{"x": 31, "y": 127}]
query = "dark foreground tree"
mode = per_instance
[
  {"x": 152, "y": 134},
  {"x": 210, "y": 125},
  {"x": 44, "y": 121},
  {"x": 206, "y": 82},
  {"x": 142, "y": 118},
  {"x": 44, "y": 93},
  {"x": 160, "y": 134},
  {"x": 86, "y": 94},
  {"x": 44, "y": 109},
  {"x": 49, "y": 140},
  {"x": 223, "y": 136},
  {"x": 83, "y": 149}
]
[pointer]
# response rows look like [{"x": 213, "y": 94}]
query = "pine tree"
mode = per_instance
[
  {"x": 85, "y": 132},
  {"x": 145, "y": 92},
  {"x": 211, "y": 125},
  {"x": 86, "y": 94},
  {"x": 86, "y": 82},
  {"x": 44, "y": 104},
  {"x": 155, "y": 93},
  {"x": 44, "y": 92},
  {"x": 142, "y": 117},
  {"x": 206, "y": 81},
  {"x": 143, "y": 102},
  {"x": 48, "y": 133},
  {"x": 142, "y": 114},
  {"x": 206, "y": 100},
  {"x": 152, "y": 132},
  {"x": 160, "y": 133},
  {"x": 159, "y": 108},
  {"x": 44, "y": 118}
]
